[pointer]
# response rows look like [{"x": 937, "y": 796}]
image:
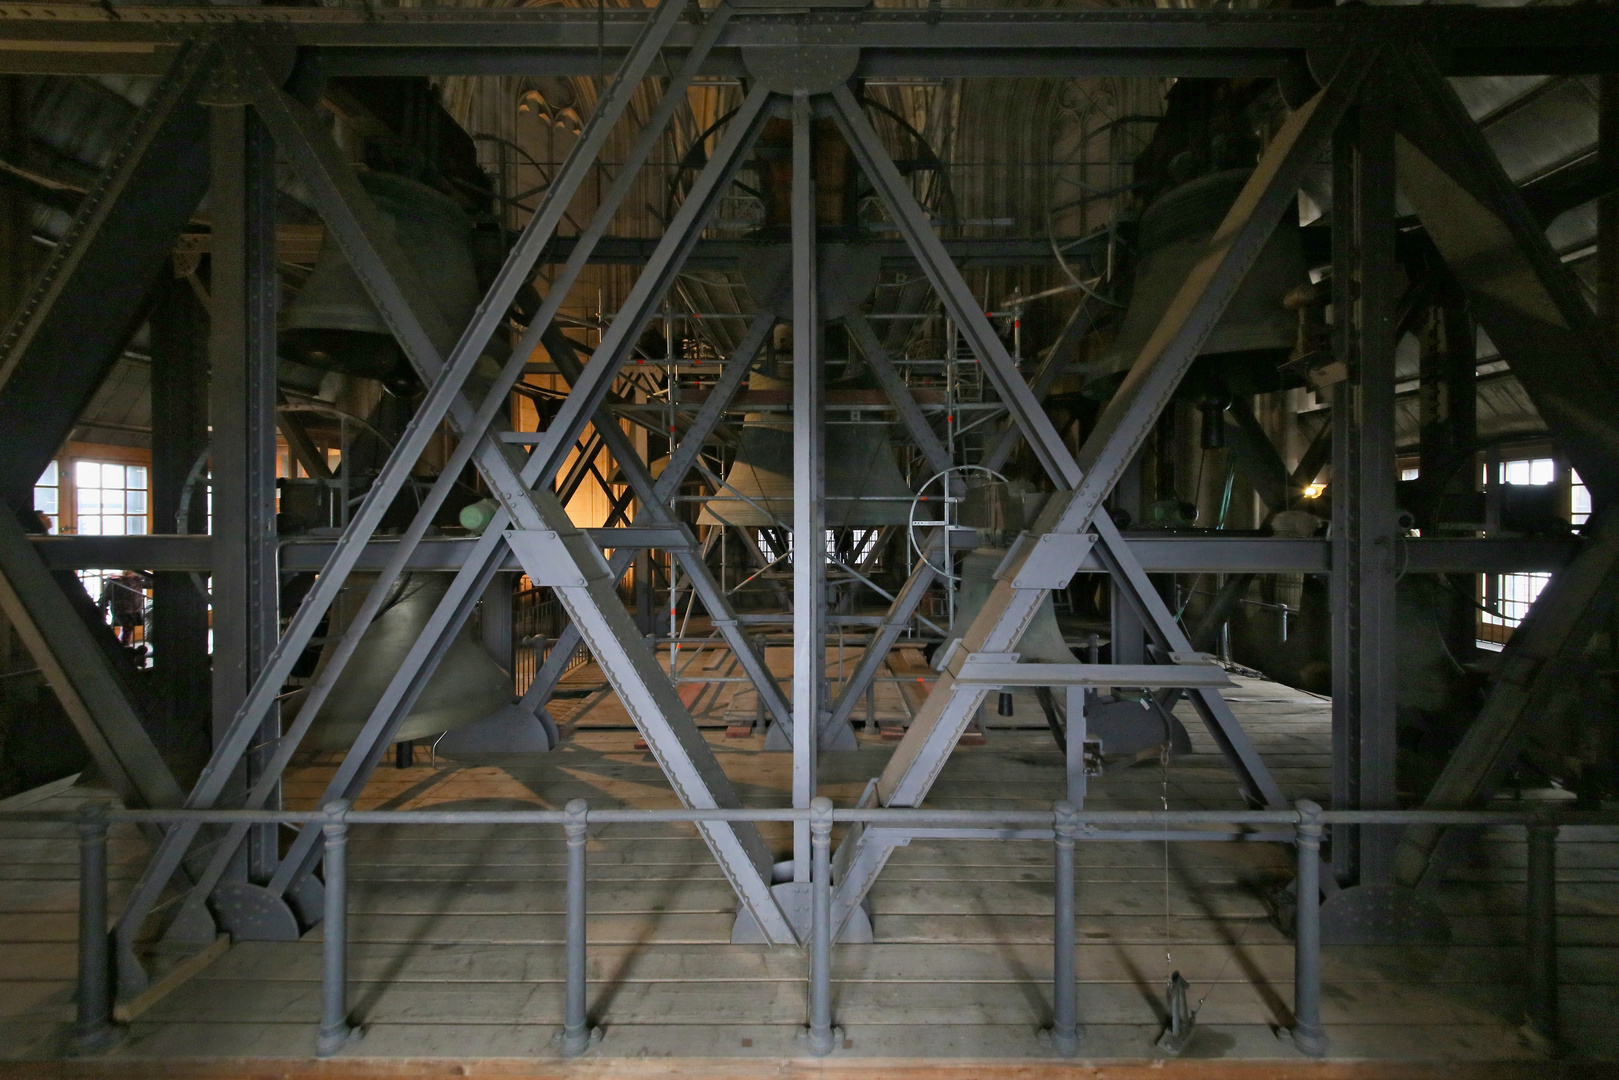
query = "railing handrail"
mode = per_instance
[
  {"x": 916, "y": 817},
  {"x": 1063, "y": 823}
]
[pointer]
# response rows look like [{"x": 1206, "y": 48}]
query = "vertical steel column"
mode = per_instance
[
  {"x": 1065, "y": 1034},
  {"x": 242, "y": 401},
  {"x": 1076, "y": 745},
  {"x": 576, "y": 1033},
  {"x": 822, "y": 1036},
  {"x": 809, "y": 482},
  {"x": 94, "y": 1030},
  {"x": 1365, "y": 277},
  {"x": 179, "y": 435},
  {"x": 1608, "y": 205},
  {"x": 335, "y": 1030},
  {"x": 1307, "y": 1032},
  {"x": 1542, "y": 930}
]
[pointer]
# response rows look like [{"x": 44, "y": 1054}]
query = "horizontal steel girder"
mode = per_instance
[
  {"x": 1157, "y": 554},
  {"x": 495, "y": 41}
]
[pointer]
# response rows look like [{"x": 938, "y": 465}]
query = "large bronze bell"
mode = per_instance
[
  {"x": 1041, "y": 643},
  {"x": 999, "y": 511},
  {"x": 864, "y": 488},
  {"x": 332, "y": 324},
  {"x": 1256, "y": 333},
  {"x": 467, "y": 686}
]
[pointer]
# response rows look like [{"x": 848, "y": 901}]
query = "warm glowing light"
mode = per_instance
[{"x": 1314, "y": 491}]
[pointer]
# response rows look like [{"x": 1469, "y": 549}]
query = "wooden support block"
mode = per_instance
[{"x": 125, "y": 1011}]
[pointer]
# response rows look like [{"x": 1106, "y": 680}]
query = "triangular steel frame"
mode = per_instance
[
  {"x": 1072, "y": 518},
  {"x": 1529, "y": 302},
  {"x": 404, "y": 303}
]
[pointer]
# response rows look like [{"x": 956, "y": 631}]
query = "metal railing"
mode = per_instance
[{"x": 1064, "y": 825}]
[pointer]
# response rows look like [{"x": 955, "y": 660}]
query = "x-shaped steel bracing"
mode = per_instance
[{"x": 532, "y": 523}]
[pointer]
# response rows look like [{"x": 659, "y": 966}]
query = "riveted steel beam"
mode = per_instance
[
  {"x": 809, "y": 486},
  {"x": 948, "y": 42},
  {"x": 1364, "y": 553}
]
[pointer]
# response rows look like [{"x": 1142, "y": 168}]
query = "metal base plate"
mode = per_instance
[
  {"x": 1382, "y": 915},
  {"x": 795, "y": 900},
  {"x": 250, "y": 912},
  {"x": 306, "y": 896}
]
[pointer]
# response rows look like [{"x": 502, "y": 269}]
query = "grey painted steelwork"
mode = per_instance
[
  {"x": 1551, "y": 340},
  {"x": 1365, "y": 284},
  {"x": 654, "y": 499},
  {"x": 87, "y": 300},
  {"x": 1065, "y": 1033},
  {"x": 540, "y": 531},
  {"x": 576, "y": 1033},
  {"x": 93, "y": 1031},
  {"x": 1108, "y": 450},
  {"x": 716, "y": 254},
  {"x": 1307, "y": 1033},
  {"x": 667, "y": 484},
  {"x": 1056, "y": 362},
  {"x": 473, "y": 576},
  {"x": 384, "y": 271},
  {"x": 335, "y": 1029},
  {"x": 896, "y": 42},
  {"x": 822, "y": 1036},
  {"x": 1156, "y": 554},
  {"x": 244, "y": 293},
  {"x": 875, "y": 654},
  {"x": 910, "y": 413},
  {"x": 809, "y": 487},
  {"x": 989, "y": 671},
  {"x": 1064, "y": 823},
  {"x": 352, "y": 219},
  {"x": 79, "y": 673}
]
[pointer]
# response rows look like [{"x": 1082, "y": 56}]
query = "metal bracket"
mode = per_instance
[
  {"x": 556, "y": 560},
  {"x": 1045, "y": 562}
]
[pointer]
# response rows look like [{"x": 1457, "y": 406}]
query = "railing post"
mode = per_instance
[
  {"x": 94, "y": 1030},
  {"x": 1542, "y": 930},
  {"x": 822, "y": 1036},
  {"x": 576, "y": 1033},
  {"x": 335, "y": 1030},
  {"x": 1307, "y": 1032},
  {"x": 1065, "y": 1034}
]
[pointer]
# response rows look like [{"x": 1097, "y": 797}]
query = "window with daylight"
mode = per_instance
[
  {"x": 1579, "y": 500},
  {"x": 48, "y": 498},
  {"x": 863, "y": 542},
  {"x": 1528, "y": 471},
  {"x": 109, "y": 500},
  {"x": 1505, "y": 598},
  {"x": 1510, "y": 596}
]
